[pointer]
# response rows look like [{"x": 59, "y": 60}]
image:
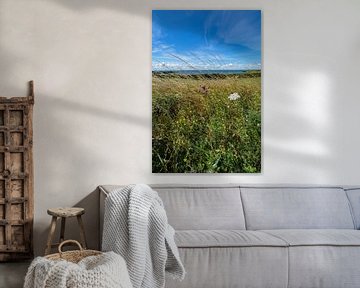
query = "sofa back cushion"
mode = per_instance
[
  {"x": 202, "y": 207},
  {"x": 296, "y": 208}
]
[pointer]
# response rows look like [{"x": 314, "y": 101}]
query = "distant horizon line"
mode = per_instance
[{"x": 170, "y": 70}]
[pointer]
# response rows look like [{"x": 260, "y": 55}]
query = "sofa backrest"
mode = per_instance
[
  {"x": 296, "y": 208},
  {"x": 195, "y": 207},
  {"x": 202, "y": 207},
  {"x": 255, "y": 207}
]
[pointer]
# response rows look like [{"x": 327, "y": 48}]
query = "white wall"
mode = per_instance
[{"x": 91, "y": 63}]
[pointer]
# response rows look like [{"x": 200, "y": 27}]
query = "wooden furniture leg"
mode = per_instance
[
  {"x": 51, "y": 235},
  {"x": 62, "y": 231},
  {"x": 63, "y": 213},
  {"x": 82, "y": 232}
]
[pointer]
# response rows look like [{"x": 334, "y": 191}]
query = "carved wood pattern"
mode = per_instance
[{"x": 16, "y": 177}]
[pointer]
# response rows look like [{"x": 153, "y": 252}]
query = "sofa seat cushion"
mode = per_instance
[
  {"x": 233, "y": 267},
  {"x": 225, "y": 238},
  {"x": 317, "y": 237}
]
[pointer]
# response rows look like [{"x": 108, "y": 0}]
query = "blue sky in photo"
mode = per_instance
[{"x": 206, "y": 39}]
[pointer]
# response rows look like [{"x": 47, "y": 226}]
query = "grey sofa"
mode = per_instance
[{"x": 264, "y": 236}]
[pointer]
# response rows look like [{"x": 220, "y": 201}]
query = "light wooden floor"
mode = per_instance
[{"x": 12, "y": 274}]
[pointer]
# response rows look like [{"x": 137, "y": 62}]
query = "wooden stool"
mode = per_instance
[{"x": 64, "y": 213}]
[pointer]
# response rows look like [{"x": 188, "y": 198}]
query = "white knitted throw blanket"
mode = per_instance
[
  {"x": 136, "y": 227},
  {"x": 103, "y": 271}
]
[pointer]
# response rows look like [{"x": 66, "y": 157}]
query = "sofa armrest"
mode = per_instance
[{"x": 103, "y": 195}]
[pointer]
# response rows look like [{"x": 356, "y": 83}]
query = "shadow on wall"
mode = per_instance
[
  {"x": 74, "y": 162},
  {"x": 63, "y": 162},
  {"x": 134, "y": 6},
  {"x": 80, "y": 108},
  {"x": 69, "y": 159},
  {"x": 142, "y": 7}
]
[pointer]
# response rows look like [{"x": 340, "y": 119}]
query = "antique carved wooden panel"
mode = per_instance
[{"x": 16, "y": 177}]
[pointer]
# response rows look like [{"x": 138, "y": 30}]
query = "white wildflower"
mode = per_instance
[{"x": 234, "y": 96}]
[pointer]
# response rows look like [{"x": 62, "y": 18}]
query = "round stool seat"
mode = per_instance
[{"x": 66, "y": 211}]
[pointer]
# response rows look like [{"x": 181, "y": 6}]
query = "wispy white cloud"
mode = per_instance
[
  {"x": 245, "y": 31},
  {"x": 157, "y": 32},
  {"x": 158, "y": 45},
  {"x": 161, "y": 48},
  {"x": 197, "y": 61},
  {"x": 231, "y": 42}
]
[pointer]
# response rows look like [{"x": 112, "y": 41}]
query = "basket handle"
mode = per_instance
[{"x": 69, "y": 241}]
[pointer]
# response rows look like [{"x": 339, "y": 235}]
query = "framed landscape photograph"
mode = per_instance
[{"x": 206, "y": 91}]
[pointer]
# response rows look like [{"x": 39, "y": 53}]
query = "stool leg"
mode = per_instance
[
  {"x": 82, "y": 232},
  {"x": 62, "y": 231},
  {"x": 51, "y": 235}
]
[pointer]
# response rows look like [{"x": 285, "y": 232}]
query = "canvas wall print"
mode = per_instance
[{"x": 206, "y": 91}]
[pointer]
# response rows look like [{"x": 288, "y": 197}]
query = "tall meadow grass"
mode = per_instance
[{"x": 198, "y": 129}]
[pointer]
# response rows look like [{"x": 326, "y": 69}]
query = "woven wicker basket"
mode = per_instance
[{"x": 72, "y": 256}]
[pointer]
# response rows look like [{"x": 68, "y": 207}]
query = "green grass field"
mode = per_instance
[{"x": 198, "y": 129}]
